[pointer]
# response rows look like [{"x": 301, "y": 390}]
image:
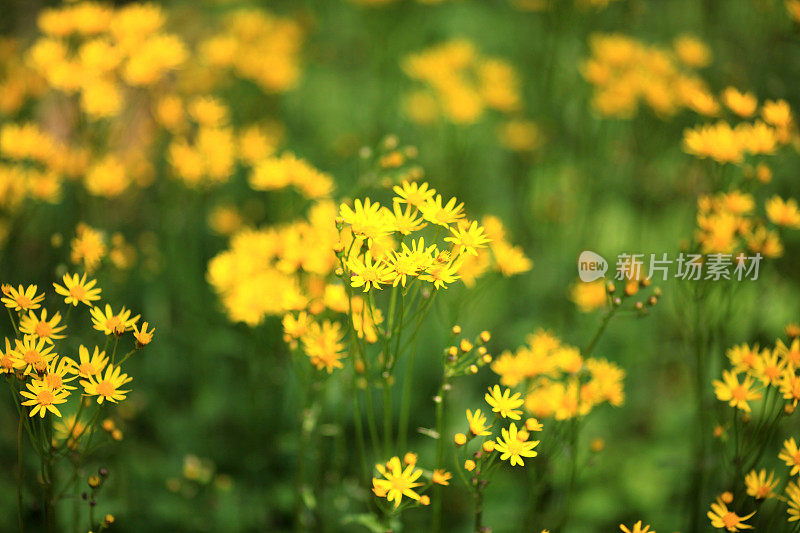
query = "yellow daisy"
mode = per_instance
[
  {"x": 78, "y": 290},
  {"x": 21, "y": 299},
  {"x": 107, "y": 388},
  {"x": 41, "y": 327},
  {"x": 43, "y": 399}
]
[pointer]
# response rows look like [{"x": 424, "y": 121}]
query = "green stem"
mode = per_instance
[
  {"x": 19, "y": 473},
  {"x": 440, "y": 434}
]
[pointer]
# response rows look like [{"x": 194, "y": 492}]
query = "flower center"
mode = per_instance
[
  {"x": 78, "y": 292},
  {"x": 43, "y": 329},
  {"x": 45, "y": 397},
  {"x": 730, "y": 519},
  {"x": 31, "y": 357},
  {"x": 112, "y": 323},
  {"x": 23, "y": 301},
  {"x": 105, "y": 388},
  {"x": 739, "y": 393}
]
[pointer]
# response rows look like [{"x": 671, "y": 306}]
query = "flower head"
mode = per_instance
[
  {"x": 722, "y": 518},
  {"x": 396, "y": 482},
  {"x": 735, "y": 393},
  {"x": 42, "y": 328},
  {"x": 512, "y": 447},
  {"x": 504, "y": 402},
  {"x": 108, "y": 386},
  {"x": 22, "y": 298},
  {"x": 43, "y": 398},
  {"x": 477, "y": 423},
  {"x": 78, "y": 290},
  {"x": 759, "y": 486},
  {"x": 143, "y": 337},
  {"x": 110, "y": 323},
  {"x": 34, "y": 353}
]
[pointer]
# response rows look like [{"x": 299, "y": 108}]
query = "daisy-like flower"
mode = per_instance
[
  {"x": 783, "y": 212},
  {"x": 10, "y": 360},
  {"x": 90, "y": 365},
  {"x": 34, "y": 353},
  {"x": 793, "y": 497},
  {"x": 323, "y": 345},
  {"x": 722, "y": 518},
  {"x": 470, "y": 237},
  {"x": 769, "y": 367},
  {"x": 759, "y": 486},
  {"x": 735, "y": 393},
  {"x": 405, "y": 222},
  {"x": 513, "y": 448},
  {"x": 413, "y": 194},
  {"x": 77, "y": 290},
  {"x": 743, "y": 358},
  {"x": 22, "y": 298},
  {"x": 442, "y": 273},
  {"x": 143, "y": 337},
  {"x": 441, "y": 476},
  {"x": 41, "y": 327},
  {"x": 107, "y": 388},
  {"x": 70, "y": 429},
  {"x": 55, "y": 377},
  {"x": 110, "y": 323},
  {"x": 43, "y": 399},
  {"x": 790, "y": 455},
  {"x": 367, "y": 219},
  {"x": 443, "y": 215},
  {"x": 477, "y": 423},
  {"x": 790, "y": 386},
  {"x": 396, "y": 481},
  {"x": 504, "y": 403},
  {"x": 637, "y": 528},
  {"x": 403, "y": 265},
  {"x": 790, "y": 354},
  {"x": 368, "y": 274}
]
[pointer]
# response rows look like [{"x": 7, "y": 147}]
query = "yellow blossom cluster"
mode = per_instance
[
  {"x": 459, "y": 84},
  {"x": 558, "y": 381},
  {"x": 732, "y": 144},
  {"x": 727, "y": 223},
  {"x": 274, "y": 270},
  {"x": 18, "y": 81},
  {"x": 258, "y": 46},
  {"x": 626, "y": 73},
  {"x": 32, "y": 357},
  {"x": 755, "y": 370}
]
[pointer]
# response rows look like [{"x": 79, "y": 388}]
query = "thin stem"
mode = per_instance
[
  {"x": 440, "y": 433},
  {"x": 19, "y": 473}
]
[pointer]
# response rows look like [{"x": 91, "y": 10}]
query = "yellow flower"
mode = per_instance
[
  {"x": 793, "y": 494},
  {"x": 367, "y": 219},
  {"x": 477, "y": 423},
  {"x": 110, "y": 323},
  {"x": 368, "y": 274},
  {"x": 777, "y": 113},
  {"x": 735, "y": 393},
  {"x": 142, "y": 336},
  {"x": 396, "y": 481},
  {"x": 469, "y": 237},
  {"x": 10, "y": 360},
  {"x": 41, "y": 327},
  {"x": 43, "y": 399},
  {"x": 78, "y": 290},
  {"x": 34, "y": 354},
  {"x": 88, "y": 247},
  {"x": 692, "y": 51},
  {"x": 442, "y": 273},
  {"x": 789, "y": 354},
  {"x": 433, "y": 211},
  {"x": 504, "y": 403},
  {"x": 759, "y": 486},
  {"x": 413, "y": 194},
  {"x": 790, "y": 386},
  {"x": 783, "y": 212},
  {"x": 790, "y": 455},
  {"x": 722, "y": 518},
  {"x": 743, "y": 358},
  {"x": 513, "y": 448},
  {"x": 322, "y": 343},
  {"x": 21, "y": 299},
  {"x": 405, "y": 222},
  {"x": 90, "y": 366},
  {"x": 441, "y": 477},
  {"x": 769, "y": 367},
  {"x": 107, "y": 387},
  {"x": 637, "y": 528},
  {"x": 743, "y": 104}
]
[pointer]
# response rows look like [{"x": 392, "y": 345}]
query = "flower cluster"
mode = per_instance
[
  {"x": 398, "y": 479},
  {"x": 558, "y": 381},
  {"x": 732, "y": 144},
  {"x": 626, "y": 73},
  {"x": 459, "y": 84}
]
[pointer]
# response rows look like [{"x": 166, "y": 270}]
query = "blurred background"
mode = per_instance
[{"x": 210, "y": 426}]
